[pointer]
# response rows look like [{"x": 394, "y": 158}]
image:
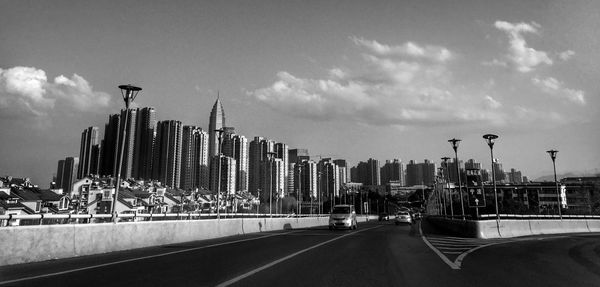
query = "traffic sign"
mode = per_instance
[{"x": 475, "y": 191}]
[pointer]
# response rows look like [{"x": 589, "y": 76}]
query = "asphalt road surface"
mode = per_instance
[{"x": 376, "y": 254}]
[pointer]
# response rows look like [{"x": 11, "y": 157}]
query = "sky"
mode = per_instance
[{"x": 344, "y": 79}]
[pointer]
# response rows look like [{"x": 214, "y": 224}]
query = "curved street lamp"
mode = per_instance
[
  {"x": 445, "y": 159},
  {"x": 490, "y": 139},
  {"x": 454, "y": 142},
  {"x": 129, "y": 93},
  {"x": 552, "y": 154}
]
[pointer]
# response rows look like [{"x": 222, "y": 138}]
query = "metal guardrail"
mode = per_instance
[
  {"x": 523, "y": 216},
  {"x": 50, "y": 218}
]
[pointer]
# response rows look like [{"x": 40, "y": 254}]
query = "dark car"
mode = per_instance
[{"x": 384, "y": 216}]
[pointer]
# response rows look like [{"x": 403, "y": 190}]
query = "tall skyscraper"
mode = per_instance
[
  {"x": 167, "y": 158},
  {"x": 89, "y": 142},
  {"x": 144, "y": 143},
  {"x": 216, "y": 122}
]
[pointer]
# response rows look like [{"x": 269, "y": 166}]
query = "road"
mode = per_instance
[{"x": 377, "y": 254}]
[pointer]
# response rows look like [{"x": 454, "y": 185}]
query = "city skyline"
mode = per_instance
[{"x": 390, "y": 86}]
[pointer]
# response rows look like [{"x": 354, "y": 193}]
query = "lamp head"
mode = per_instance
[
  {"x": 454, "y": 142},
  {"x": 552, "y": 154},
  {"x": 490, "y": 138},
  {"x": 129, "y": 92}
]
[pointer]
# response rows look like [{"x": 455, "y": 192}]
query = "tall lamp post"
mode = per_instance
[
  {"x": 445, "y": 159},
  {"x": 128, "y": 92},
  {"x": 220, "y": 137},
  {"x": 552, "y": 154},
  {"x": 442, "y": 196},
  {"x": 271, "y": 155},
  {"x": 490, "y": 138},
  {"x": 454, "y": 142}
]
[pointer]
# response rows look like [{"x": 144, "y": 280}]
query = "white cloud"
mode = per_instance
[
  {"x": 26, "y": 92},
  {"x": 491, "y": 103},
  {"x": 523, "y": 57},
  {"x": 434, "y": 53},
  {"x": 495, "y": 62},
  {"x": 566, "y": 55},
  {"x": 554, "y": 87},
  {"x": 385, "y": 90}
]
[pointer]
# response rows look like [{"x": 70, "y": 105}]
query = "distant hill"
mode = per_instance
[{"x": 568, "y": 174}]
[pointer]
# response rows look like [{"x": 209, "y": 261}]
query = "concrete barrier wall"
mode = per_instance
[
  {"x": 23, "y": 244},
  {"x": 507, "y": 228}
]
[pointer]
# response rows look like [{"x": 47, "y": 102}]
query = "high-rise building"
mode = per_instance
[
  {"x": 227, "y": 176},
  {"x": 194, "y": 158},
  {"x": 216, "y": 122},
  {"x": 420, "y": 173},
  {"x": 89, "y": 143},
  {"x": 240, "y": 154},
  {"x": 343, "y": 167},
  {"x": 127, "y": 167},
  {"x": 144, "y": 143},
  {"x": 392, "y": 171},
  {"x": 472, "y": 164},
  {"x": 66, "y": 173},
  {"x": 515, "y": 176},
  {"x": 282, "y": 152},
  {"x": 258, "y": 149},
  {"x": 499, "y": 171},
  {"x": 306, "y": 185},
  {"x": 328, "y": 181},
  {"x": 108, "y": 152},
  {"x": 295, "y": 156},
  {"x": 167, "y": 158},
  {"x": 367, "y": 173},
  {"x": 111, "y": 146}
]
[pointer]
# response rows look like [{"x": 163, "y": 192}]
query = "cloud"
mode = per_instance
[
  {"x": 25, "y": 92},
  {"x": 391, "y": 86},
  {"x": 566, "y": 55},
  {"x": 495, "y": 62},
  {"x": 554, "y": 87},
  {"x": 434, "y": 53},
  {"x": 523, "y": 57},
  {"x": 491, "y": 103}
]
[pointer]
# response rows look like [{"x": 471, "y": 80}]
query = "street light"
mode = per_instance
[
  {"x": 442, "y": 197},
  {"x": 454, "y": 142},
  {"x": 271, "y": 155},
  {"x": 552, "y": 154},
  {"x": 490, "y": 138},
  {"x": 445, "y": 159},
  {"x": 220, "y": 137},
  {"x": 128, "y": 92}
]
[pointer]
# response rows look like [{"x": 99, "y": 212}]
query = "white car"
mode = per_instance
[
  {"x": 403, "y": 217},
  {"x": 342, "y": 216}
]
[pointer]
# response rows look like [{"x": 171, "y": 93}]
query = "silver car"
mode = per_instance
[{"x": 342, "y": 216}]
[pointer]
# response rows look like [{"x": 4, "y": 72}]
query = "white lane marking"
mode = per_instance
[
  {"x": 440, "y": 254},
  {"x": 141, "y": 258},
  {"x": 273, "y": 263}
]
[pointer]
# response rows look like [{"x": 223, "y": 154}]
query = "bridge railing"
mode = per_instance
[{"x": 50, "y": 218}]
